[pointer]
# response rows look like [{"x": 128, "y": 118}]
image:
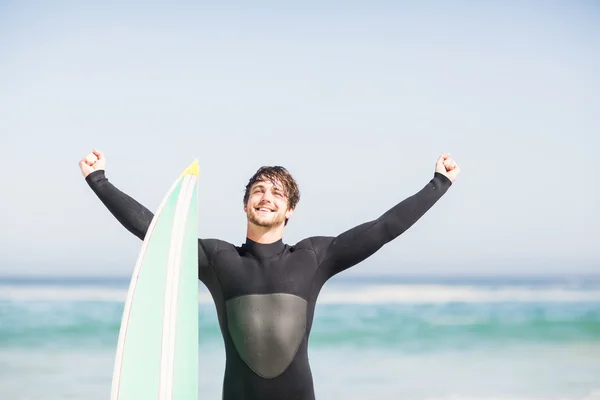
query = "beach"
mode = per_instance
[{"x": 372, "y": 338}]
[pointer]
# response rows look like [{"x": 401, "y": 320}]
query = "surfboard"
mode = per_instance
[{"x": 157, "y": 350}]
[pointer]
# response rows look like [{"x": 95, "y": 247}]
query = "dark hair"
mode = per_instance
[{"x": 273, "y": 174}]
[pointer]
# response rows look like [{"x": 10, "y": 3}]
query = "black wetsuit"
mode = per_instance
[{"x": 265, "y": 294}]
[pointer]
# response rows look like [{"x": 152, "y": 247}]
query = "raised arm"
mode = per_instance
[
  {"x": 335, "y": 254},
  {"x": 130, "y": 213},
  {"x": 135, "y": 217}
]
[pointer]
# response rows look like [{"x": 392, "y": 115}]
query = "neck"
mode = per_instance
[{"x": 260, "y": 234}]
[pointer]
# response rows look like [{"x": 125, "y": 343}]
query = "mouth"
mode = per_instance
[{"x": 263, "y": 210}]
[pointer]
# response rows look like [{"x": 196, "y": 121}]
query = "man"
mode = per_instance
[{"x": 264, "y": 290}]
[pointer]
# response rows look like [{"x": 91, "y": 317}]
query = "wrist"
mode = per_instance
[
  {"x": 95, "y": 176},
  {"x": 442, "y": 179}
]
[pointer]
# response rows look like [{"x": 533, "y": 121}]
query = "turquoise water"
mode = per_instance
[{"x": 371, "y": 338}]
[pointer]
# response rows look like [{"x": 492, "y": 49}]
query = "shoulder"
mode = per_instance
[
  {"x": 212, "y": 245},
  {"x": 314, "y": 243}
]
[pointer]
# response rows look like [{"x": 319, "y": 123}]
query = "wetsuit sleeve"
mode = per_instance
[
  {"x": 335, "y": 254},
  {"x": 136, "y": 218}
]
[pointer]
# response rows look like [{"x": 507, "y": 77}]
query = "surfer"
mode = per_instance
[{"x": 264, "y": 289}]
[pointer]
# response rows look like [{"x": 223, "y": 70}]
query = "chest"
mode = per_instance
[{"x": 291, "y": 272}]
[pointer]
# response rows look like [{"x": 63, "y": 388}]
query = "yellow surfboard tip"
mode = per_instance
[{"x": 193, "y": 169}]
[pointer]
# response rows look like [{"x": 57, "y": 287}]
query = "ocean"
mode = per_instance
[{"x": 373, "y": 338}]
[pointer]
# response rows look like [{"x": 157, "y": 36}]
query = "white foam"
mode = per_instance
[
  {"x": 370, "y": 294},
  {"x": 445, "y": 294},
  {"x": 57, "y": 292}
]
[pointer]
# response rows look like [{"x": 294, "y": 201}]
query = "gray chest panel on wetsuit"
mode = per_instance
[{"x": 267, "y": 330}]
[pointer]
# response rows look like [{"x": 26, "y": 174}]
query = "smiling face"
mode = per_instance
[
  {"x": 271, "y": 196},
  {"x": 267, "y": 204}
]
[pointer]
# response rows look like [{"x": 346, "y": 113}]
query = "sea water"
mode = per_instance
[{"x": 372, "y": 338}]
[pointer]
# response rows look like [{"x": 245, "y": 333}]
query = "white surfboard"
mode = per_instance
[{"x": 157, "y": 351}]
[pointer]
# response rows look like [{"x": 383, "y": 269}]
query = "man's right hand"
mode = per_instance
[
  {"x": 92, "y": 162},
  {"x": 447, "y": 166}
]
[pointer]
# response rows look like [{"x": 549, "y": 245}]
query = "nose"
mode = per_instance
[{"x": 267, "y": 197}]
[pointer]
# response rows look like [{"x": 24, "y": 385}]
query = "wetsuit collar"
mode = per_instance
[{"x": 263, "y": 250}]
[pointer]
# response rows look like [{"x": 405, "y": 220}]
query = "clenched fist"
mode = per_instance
[
  {"x": 92, "y": 162},
  {"x": 447, "y": 166}
]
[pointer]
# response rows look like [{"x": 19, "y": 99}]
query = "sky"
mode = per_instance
[{"x": 356, "y": 99}]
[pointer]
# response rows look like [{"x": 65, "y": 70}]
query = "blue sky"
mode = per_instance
[{"x": 357, "y": 100}]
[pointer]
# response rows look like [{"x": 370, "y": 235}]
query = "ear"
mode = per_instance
[{"x": 289, "y": 213}]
